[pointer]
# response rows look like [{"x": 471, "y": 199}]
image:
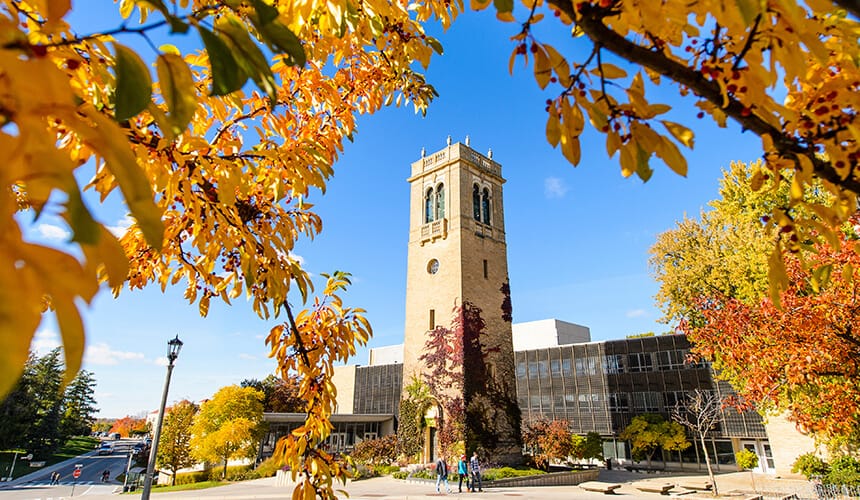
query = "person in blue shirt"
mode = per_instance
[
  {"x": 475, "y": 468},
  {"x": 463, "y": 471}
]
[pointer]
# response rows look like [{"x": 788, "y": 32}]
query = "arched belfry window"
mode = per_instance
[
  {"x": 440, "y": 202},
  {"x": 476, "y": 202},
  {"x": 428, "y": 206},
  {"x": 485, "y": 205}
]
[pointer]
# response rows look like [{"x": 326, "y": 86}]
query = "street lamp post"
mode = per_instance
[{"x": 173, "y": 347}]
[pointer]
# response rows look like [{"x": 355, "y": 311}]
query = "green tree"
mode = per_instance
[
  {"x": 174, "y": 449},
  {"x": 45, "y": 391},
  {"x": 280, "y": 395},
  {"x": 649, "y": 432},
  {"x": 229, "y": 426},
  {"x": 747, "y": 460},
  {"x": 18, "y": 410},
  {"x": 592, "y": 447},
  {"x": 79, "y": 406}
]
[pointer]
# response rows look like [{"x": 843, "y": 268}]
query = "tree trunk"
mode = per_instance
[
  {"x": 224, "y": 475},
  {"x": 708, "y": 462}
]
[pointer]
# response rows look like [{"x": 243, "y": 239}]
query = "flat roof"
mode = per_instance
[{"x": 337, "y": 417}]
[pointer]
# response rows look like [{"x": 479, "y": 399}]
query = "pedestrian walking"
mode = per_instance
[
  {"x": 442, "y": 474},
  {"x": 55, "y": 478},
  {"x": 475, "y": 468},
  {"x": 463, "y": 472}
]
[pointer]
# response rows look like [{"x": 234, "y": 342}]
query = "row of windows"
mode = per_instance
[
  {"x": 434, "y": 204},
  {"x": 646, "y": 401},
  {"x": 639, "y": 402},
  {"x": 562, "y": 402},
  {"x": 613, "y": 363}
]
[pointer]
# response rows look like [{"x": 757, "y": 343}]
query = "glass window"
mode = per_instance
[
  {"x": 545, "y": 401},
  {"x": 640, "y": 362},
  {"x": 476, "y": 202},
  {"x": 584, "y": 402},
  {"x": 543, "y": 368},
  {"x": 565, "y": 367},
  {"x": 614, "y": 363},
  {"x": 533, "y": 370},
  {"x": 670, "y": 359},
  {"x": 521, "y": 369},
  {"x": 591, "y": 366},
  {"x": 673, "y": 398},
  {"x": 618, "y": 401},
  {"x": 485, "y": 205},
  {"x": 534, "y": 401},
  {"x": 440, "y": 202},
  {"x": 555, "y": 367},
  {"x": 646, "y": 401},
  {"x": 428, "y": 206}
]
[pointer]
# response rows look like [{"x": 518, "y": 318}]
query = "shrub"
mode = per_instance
[
  {"x": 503, "y": 472},
  {"x": 384, "y": 470},
  {"x": 810, "y": 465},
  {"x": 844, "y": 470},
  {"x": 424, "y": 474},
  {"x": 269, "y": 467},
  {"x": 401, "y": 474},
  {"x": 746, "y": 459},
  {"x": 192, "y": 477},
  {"x": 376, "y": 451}
]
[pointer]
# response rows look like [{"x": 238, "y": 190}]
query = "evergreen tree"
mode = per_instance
[
  {"x": 79, "y": 406},
  {"x": 18, "y": 410},
  {"x": 43, "y": 433}
]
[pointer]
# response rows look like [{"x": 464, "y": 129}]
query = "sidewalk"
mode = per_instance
[{"x": 387, "y": 488}]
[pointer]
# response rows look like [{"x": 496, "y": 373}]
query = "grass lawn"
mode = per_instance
[
  {"x": 190, "y": 486},
  {"x": 73, "y": 447}
]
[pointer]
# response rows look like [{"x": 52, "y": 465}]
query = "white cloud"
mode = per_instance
[
  {"x": 121, "y": 226},
  {"x": 554, "y": 187},
  {"x": 102, "y": 354},
  {"x": 298, "y": 258},
  {"x": 44, "y": 341},
  {"x": 52, "y": 232},
  {"x": 635, "y": 313}
]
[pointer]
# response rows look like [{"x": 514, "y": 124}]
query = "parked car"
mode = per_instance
[
  {"x": 115, "y": 435},
  {"x": 106, "y": 449}
]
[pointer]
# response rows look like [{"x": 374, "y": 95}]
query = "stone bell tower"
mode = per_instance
[{"x": 458, "y": 268}]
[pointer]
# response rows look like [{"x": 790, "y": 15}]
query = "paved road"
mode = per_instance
[{"x": 37, "y": 485}]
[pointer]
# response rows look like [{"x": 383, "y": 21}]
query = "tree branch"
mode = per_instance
[{"x": 590, "y": 20}]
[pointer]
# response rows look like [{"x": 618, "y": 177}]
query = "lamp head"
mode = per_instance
[{"x": 173, "y": 347}]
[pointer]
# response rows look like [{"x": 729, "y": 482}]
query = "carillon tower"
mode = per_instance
[{"x": 458, "y": 268}]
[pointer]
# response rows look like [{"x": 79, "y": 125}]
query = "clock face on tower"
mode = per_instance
[{"x": 433, "y": 266}]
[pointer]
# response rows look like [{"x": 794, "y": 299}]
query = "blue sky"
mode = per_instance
[{"x": 577, "y": 238}]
